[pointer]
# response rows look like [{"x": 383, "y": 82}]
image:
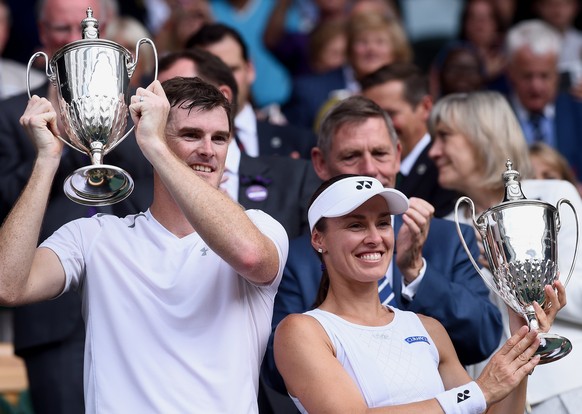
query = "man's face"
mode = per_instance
[
  {"x": 200, "y": 139},
  {"x": 559, "y": 13},
  {"x": 362, "y": 149},
  {"x": 409, "y": 122},
  {"x": 61, "y": 22},
  {"x": 244, "y": 73},
  {"x": 4, "y": 27},
  {"x": 534, "y": 78}
]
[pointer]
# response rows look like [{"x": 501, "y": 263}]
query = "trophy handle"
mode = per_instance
[
  {"x": 467, "y": 200},
  {"x": 130, "y": 68},
  {"x": 558, "y": 225},
  {"x": 48, "y": 71}
]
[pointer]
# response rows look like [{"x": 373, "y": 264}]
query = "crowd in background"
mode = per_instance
[{"x": 504, "y": 75}]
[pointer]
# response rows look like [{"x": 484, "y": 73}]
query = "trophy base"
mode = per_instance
[
  {"x": 553, "y": 347},
  {"x": 98, "y": 185}
]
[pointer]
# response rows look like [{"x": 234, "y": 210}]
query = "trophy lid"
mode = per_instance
[
  {"x": 512, "y": 186},
  {"x": 90, "y": 26}
]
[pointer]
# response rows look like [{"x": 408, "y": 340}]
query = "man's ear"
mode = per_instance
[
  {"x": 319, "y": 164},
  {"x": 227, "y": 92}
]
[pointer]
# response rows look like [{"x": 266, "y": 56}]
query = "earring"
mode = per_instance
[{"x": 320, "y": 250}]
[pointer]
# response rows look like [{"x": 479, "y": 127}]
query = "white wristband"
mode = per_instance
[{"x": 466, "y": 399}]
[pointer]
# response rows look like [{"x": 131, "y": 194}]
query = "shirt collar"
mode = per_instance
[{"x": 408, "y": 162}]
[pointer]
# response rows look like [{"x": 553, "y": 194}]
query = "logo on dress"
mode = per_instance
[
  {"x": 204, "y": 250},
  {"x": 413, "y": 339}
]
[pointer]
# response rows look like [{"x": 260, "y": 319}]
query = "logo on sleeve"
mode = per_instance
[
  {"x": 463, "y": 396},
  {"x": 413, "y": 339}
]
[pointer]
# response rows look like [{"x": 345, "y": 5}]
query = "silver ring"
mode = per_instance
[{"x": 141, "y": 98}]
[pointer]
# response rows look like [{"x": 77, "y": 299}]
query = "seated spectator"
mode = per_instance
[
  {"x": 456, "y": 68},
  {"x": 483, "y": 27},
  {"x": 253, "y": 135},
  {"x": 545, "y": 113},
  {"x": 561, "y": 14},
  {"x": 373, "y": 41},
  {"x": 549, "y": 164}
]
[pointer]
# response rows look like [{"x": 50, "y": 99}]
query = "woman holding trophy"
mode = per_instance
[
  {"x": 352, "y": 353},
  {"x": 474, "y": 135}
]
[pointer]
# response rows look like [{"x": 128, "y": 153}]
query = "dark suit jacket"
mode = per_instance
[
  {"x": 291, "y": 182},
  {"x": 568, "y": 127},
  {"x": 422, "y": 182},
  {"x": 43, "y": 323},
  {"x": 308, "y": 95},
  {"x": 285, "y": 139},
  {"x": 451, "y": 292}
]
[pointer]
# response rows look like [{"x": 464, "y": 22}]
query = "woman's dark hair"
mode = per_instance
[{"x": 321, "y": 226}]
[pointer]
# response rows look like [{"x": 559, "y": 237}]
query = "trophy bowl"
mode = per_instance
[
  {"x": 92, "y": 76},
  {"x": 520, "y": 243}
]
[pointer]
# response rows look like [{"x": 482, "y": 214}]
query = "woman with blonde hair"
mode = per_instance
[{"x": 474, "y": 134}]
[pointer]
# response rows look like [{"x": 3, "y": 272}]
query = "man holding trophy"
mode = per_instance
[{"x": 165, "y": 291}]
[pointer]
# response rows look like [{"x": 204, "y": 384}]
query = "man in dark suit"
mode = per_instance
[
  {"x": 50, "y": 335},
  {"x": 432, "y": 273},
  {"x": 402, "y": 91},
  {"x": 544, "y": 113},
  {"x": 254, "y": 136}
]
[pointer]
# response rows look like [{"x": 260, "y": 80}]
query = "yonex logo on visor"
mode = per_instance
[{"x": 347, "y": 194}]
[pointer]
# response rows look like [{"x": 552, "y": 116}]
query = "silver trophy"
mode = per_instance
[
  {"x": 520, "y": 242},
  {"x": 92, "y": 80}
]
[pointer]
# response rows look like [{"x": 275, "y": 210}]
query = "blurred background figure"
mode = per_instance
[
  {"x": 12, "y": 73},
  {"x": 374, "y": 40},
  {"x": 126, "y": 31},
  {"x": 545, "y": 113},
  {"x": 255, "y": 136},
  {"x": 294, "y": 48},
  {"x": 549, "y": 164},
  {"x": 561, "y": 14},
  {"x": 457, "y": 68},
  {"x": 483, "y": 27},
  {"x": 185, "y": 18},
  {"x": 327, "y": 47},
  {"x": 249, "y": 18}
]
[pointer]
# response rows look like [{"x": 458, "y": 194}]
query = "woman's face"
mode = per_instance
[
  {"x": 480, "y": 25},
  {"x": 358, "y": 246},
  {"x": 544, "y": 170},
  {"x": 461, "y": 73},
  {"x": 454, "y": 157},
  {"x": 371, "y": 49}
]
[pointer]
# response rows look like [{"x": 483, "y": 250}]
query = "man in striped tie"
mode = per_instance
[{"x": 430, "y": 273}]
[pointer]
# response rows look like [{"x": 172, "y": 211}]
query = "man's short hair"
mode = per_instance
[
  {"x": 209, "y": 67},
  {"x": 538, "y": 36},
  {"x": 415, "y": 83},
  {"x": 190, "y": 93},
  {"x": 354, "y": 110},
  {"x": 212, "y": 33}
]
